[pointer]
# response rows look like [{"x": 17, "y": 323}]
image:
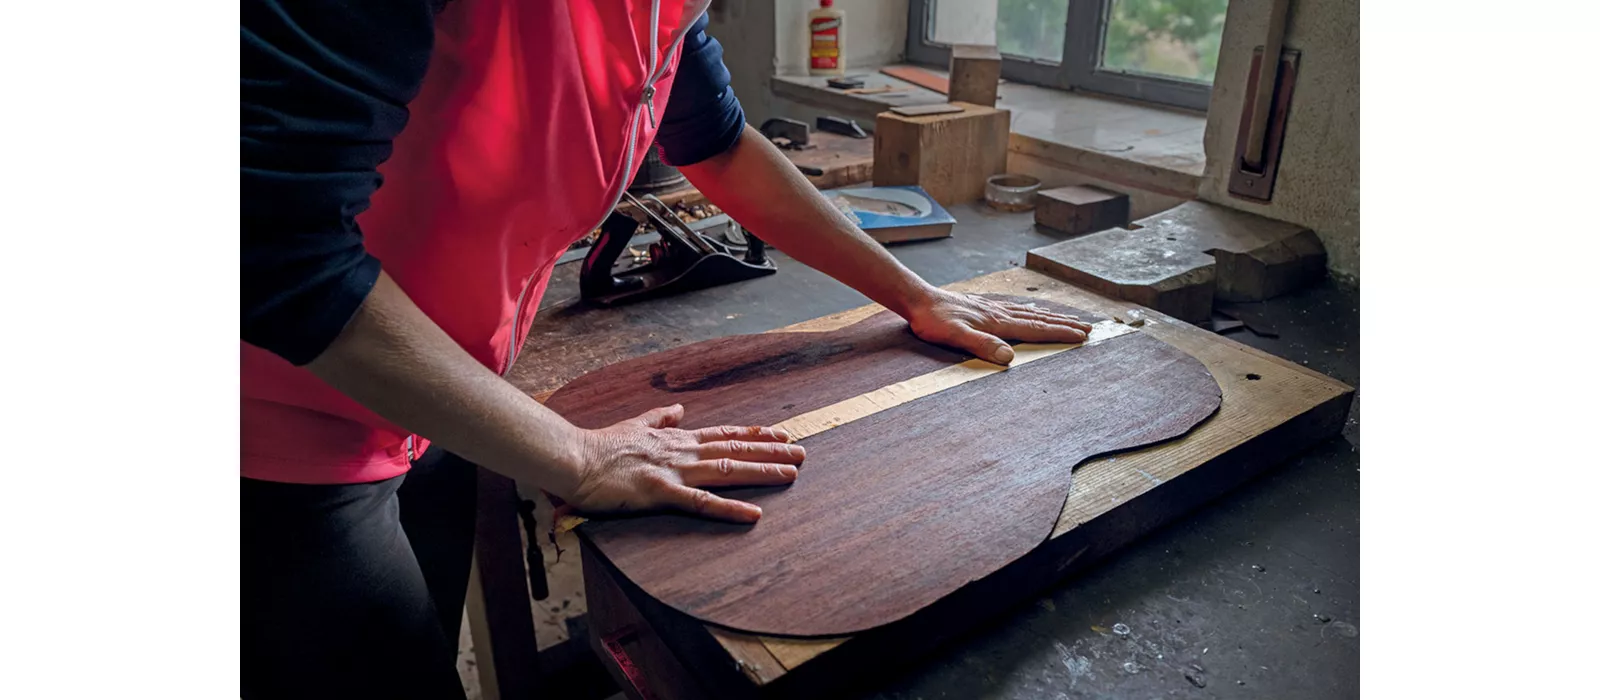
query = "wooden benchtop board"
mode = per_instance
[
  {"x": 1260, "y": 392},
  {"x": 925, "y": 472}
]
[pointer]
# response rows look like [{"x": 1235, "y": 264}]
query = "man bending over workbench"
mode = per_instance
[{"x": 505, "y": 131}]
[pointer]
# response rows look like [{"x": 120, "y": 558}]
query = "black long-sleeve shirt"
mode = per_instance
[{"x": 323, "y": 94}]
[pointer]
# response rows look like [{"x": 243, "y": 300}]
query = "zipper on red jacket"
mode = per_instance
[
  {"x": 516, "y": 323},
  {"x": 650, "y": 80},
  {"x": 648, "y": 103}
]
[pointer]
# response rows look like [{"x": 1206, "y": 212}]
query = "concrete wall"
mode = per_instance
[
  {"x": 874, "y": 33},
  {"x": 745, "y": 28},
  {"x": 761, "y": 38},
  {"x": 1318, "y": 182}
]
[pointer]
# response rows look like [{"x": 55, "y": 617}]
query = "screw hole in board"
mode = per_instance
[{"x": 1252, "y": 376}]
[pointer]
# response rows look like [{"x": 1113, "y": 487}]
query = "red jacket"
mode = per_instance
[{"x": 532, "y": 119}]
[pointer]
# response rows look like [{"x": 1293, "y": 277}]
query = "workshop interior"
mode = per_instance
[{"x": 1154, "y": 494}]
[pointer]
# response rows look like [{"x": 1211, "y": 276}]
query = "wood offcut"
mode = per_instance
[
  {"x": 951, "y": 156},
  {"x": 975, "y": 74},
  {"x": 1181, "y": 260},
  {"x": 1079, "y": 209},
  {"x": 918, "y": 77}
]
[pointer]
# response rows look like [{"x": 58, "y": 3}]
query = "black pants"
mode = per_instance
[{"x": 355, "y": 591}]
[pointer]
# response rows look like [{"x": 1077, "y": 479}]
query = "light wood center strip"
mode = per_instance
[{"x": 855, "y": 408}]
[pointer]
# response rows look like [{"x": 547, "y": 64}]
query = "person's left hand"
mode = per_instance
[{"x": 976, "y": 324}]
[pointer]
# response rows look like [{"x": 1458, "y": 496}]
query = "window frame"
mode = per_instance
[{"x": 1079, "y": 68}]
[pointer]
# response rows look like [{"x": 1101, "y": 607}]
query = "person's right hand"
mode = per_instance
[{"x": 647, "y": 463}]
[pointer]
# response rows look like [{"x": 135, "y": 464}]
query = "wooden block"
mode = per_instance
[
  {"x": 844, "y": 161},
  {"x": 974, "y": 74},
  {"x": 1081, "y": 209},
  {"x": 949, "y": 155},
  {"x": 1257, "y": 258},
  {"x": 1181, "y": 260},
  {"x": 1135, "y": 266}
]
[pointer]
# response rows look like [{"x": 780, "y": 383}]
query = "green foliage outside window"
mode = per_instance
[
  {"x": 1032, "y": 28},
  {"x": 1175, "y": 38}
]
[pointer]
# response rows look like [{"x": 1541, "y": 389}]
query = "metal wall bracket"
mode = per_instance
[{"x": 1254, "y": 181}]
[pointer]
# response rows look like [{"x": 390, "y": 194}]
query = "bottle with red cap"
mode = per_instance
[{"x": 825, "y": 26}]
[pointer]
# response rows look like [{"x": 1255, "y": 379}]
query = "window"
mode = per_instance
[{"x": 1162, "y": 51}]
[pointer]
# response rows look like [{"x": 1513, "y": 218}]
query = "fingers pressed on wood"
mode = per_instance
[
  {"x": 1031, "y": 331},
  {"x": 1048, "y": 317},
  {"x": 983, "y": 345},
  {"x": 755, "y": 433},
  {"x": 706, "y": 504},
  {"x": 778, "y": 452},
  {"x": 1043, "y": 314},
  {"x": 734, "y": 472}
]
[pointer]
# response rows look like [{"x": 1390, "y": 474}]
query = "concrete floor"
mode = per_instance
[{"x": 1256, "y": 595}]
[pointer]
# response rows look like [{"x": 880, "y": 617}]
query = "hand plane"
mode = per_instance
[{"x": 683, "y": 260}]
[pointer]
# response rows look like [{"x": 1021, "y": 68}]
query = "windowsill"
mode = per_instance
[{"x": 1152, "y": 148}]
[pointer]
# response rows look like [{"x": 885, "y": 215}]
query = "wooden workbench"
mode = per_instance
[{"x": 1271, "y": 410}]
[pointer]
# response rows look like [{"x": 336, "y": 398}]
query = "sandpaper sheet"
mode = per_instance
[{"x": 896, "y": 509}]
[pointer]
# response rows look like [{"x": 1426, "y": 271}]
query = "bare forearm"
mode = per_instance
[
  {"x": 763, "y": 191},
  {"x": 397, "y": 362}
]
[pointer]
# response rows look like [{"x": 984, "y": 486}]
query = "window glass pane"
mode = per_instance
[
  {"x": 961, "y": 21},
  {"x": 1029, "y": 28},
  {"x": 1170, "y": 38},
  {"x": 1032, "y": 28}
]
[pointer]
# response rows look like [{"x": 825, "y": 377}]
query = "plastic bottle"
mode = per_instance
[{"x": 825, "y": 27}]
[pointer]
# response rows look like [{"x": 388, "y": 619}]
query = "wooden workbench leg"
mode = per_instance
[
  {"x": 499, "y": 605},
  {"x": 629, "y": 648}
]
